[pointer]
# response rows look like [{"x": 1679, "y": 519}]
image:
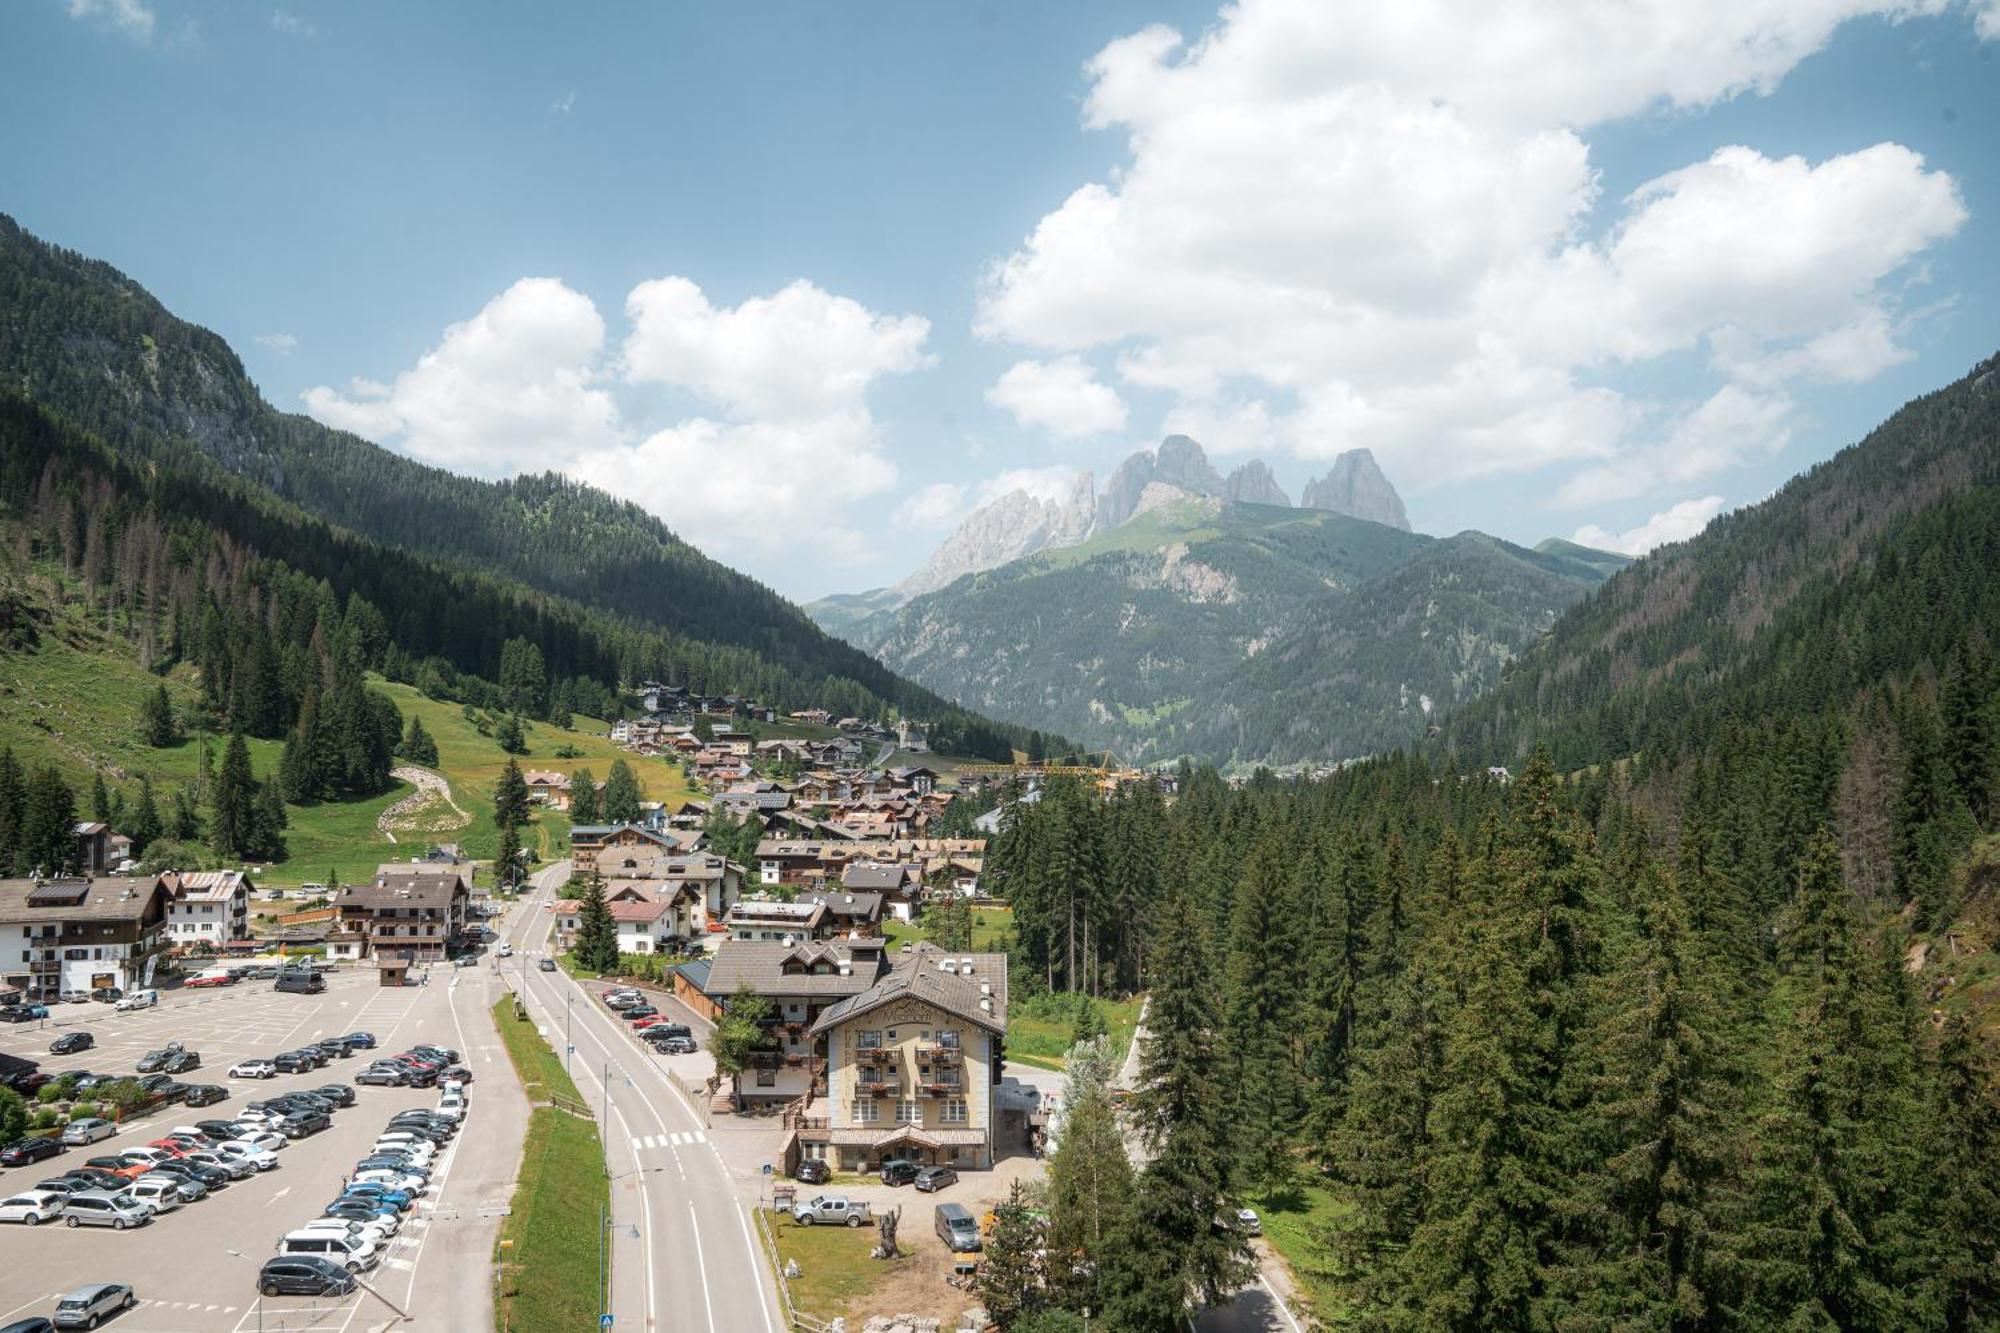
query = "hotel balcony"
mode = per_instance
[
  {"x": 937, "y": 1054},
  {"x": 877, "y": 1055},
  {"x": 875, "y": 1085}
]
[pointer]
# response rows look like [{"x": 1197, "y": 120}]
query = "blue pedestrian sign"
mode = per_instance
[{"x": 604, "y": 1321}]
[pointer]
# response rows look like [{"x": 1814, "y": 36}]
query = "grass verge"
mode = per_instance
[
  {"x": 835, "y": 1272},
  {"x": 1296, "y": 1223},
  {"x": 545, "y": 1264},
  {"x": 1040, "y": 1028}
]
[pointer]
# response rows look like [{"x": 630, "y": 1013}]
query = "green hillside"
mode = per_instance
[{"x": 1236, "y": 632}]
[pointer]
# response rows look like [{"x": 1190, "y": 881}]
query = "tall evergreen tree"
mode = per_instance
[
  {"x": 156, "y": 720},
  {"x": 584, "y": 807},
  {"x": 1261, "y": 985},
  {"x": 144, "y": 826},
  {"x": 1972, "y": 729},
  {"x": 509, "y": 735},
  {"x": 510, "y": 797},
  {"x": 13, "y": 809},
  {"x": 1962, "y": 1160},
  {"x": 596, "y": 933},
  {"x": 100, "y": 797},
  {"x": 232, "y": 829},
  {"x": 1010, "y": 1276},
  {"x": 621, "y": 795},
  {"x": 47, "y": 842},
  {"x": 418, "y": 747},
  {"x": 507, "y": 861},
  {"x": 1090, "y": 1180}
]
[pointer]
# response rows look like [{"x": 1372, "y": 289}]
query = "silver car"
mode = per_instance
[
  {"x": 102, "y": 1208},
  {"x": 86, "y": 1307},
  {"x": 86, "y": 1131}
]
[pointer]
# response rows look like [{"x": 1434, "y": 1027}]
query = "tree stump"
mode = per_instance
[{"x": 885, "y": 1225}]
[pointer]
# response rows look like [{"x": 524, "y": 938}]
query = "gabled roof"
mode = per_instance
[
  {"x": 204, "y": 886},
  {"x": 761, "y": 963},
  {"x": 919, "y": 975},
  {"x": 640, "y": 911}
]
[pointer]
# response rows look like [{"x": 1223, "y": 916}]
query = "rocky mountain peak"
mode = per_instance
[
  {"x": 1356, "y": 487},
  {"x": 1006, "y": 528},
  {"x": 1253, "y": 484}
]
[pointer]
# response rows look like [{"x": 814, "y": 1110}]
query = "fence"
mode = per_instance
[
  {"x": 697, "y": 1096},
  {"x": 794, "y": 1317}
]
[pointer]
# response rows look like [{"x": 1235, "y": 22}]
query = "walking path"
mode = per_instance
[{"x": 430, "y": 789}]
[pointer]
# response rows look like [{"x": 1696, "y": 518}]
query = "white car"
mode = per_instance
[
  {"x": 138, "y": 999},
  {"x": 32, "y": 1207},
  {"x": 253, "y": 1069},
  {"x": 162, "y": 1191},
  {"x": 452, "y": 1108},
  {"x": 419, "y": 1150},
  {"x": 375, "y": 1233},
  {"x": 506, "y": 951},
  {"x": 237, "y": 1167},
  {"x": 263, "y": 1139},
  {"x": 394, "y": 1179},
  {"x": 242, "y": 1150}
]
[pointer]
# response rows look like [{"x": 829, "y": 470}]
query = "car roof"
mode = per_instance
[{"x": 94, "y": 1289}]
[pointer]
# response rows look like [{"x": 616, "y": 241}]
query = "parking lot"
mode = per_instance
[{"x": 194, "y": 1270}]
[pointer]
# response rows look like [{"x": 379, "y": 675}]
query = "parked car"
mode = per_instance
[
  {"x": 400, "y": 1200},
  {"x": 304, "y": 1123},
  {"x": 87, "y": 1307},
  {"x": 220, "y": 1130},
  {"x": 69, "y": 1043},
  {"x": 107, "y": 994},
  {"x": 899, "y": 1171},
  {"x": 163, "y": 1086},
  {"x": 90, "y": 1129},
  {"x": 205, "y": 1094},
  {"x": 138, "y": 999},
  {"x": 675, "y": 1046},
  {"x": 350, "y": 1252},
  {"x": 208, "y": 979},
  {"x": 32, "y": 1324},
  {"x": 299, "y": 983},
  {"x": 180, "y": 1062},
  {"x": 292, "y": 1062},
  {"x": 830, "y": 1209},
  {"x": 115, "y": 1165},
  {"x": 157, "y": 1060},
  {"x": 1247, "y": 1222},
  {"x": 383, "y": 1076},
  {"x": 362, "y": 1040},
  {"x": 304, "y": 1275},
  {"x": 163, "y": 1192},
  {"x": 253, "y": 1069},
  {"x": 74, "y": 996},
  {"x": 366, "y": 1213},
  {"x": 209, "y": 1177},
  {"x": 233, "y": 1167},
  {"x": 813, "y": 1171},
  {"x": 546, "y": 965},
  {"x": 956, "y": 1227},
  {"x": 31, "y": 1208},
  {"x": 23, "y": 1151},
  {"x": 24, "y": 1013},
  {"x": 639, "y": 1010},
  {"x": 933, "y": 1178},
  {"x": 101, "y": 1208},
  {"x": 241, "y": 1150},
  {"x": 337, "y": 1093},
  {"x": 95, "y": 1178}
]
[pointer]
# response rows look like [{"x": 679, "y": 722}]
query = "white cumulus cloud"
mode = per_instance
[
  {"x": 1344, "y": 223},
  {"x": 284, "y": 344},
  {"x": 512, "y": 388},
  {"x": 127, "y": 16},
  {"x": 933, "y": 508},
  {"x": 1677, "y": 524},
  {"x": 1063, "y": 397}
]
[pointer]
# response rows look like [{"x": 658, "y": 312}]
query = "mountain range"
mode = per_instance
[{"x": 1179, "y": 611}]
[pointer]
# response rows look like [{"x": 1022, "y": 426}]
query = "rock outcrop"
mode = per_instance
[
  {"x": 1357, "y": 488},
  {"x": 1016, "y": 524},
  {"x": 1253, "y": 484}
]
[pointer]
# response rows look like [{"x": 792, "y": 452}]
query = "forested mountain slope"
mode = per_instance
[
  {"x": 1871, "y": 564},
  {"x": 1233, "y": 632},
  {"x": 80, "y": 337}
]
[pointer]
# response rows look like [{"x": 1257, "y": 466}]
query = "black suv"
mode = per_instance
[
  {"x": 292, "y": 1062},
  {"x": 303, "y": 1275},
  {"x": 337, "y": 1093},
  {"x": 899, "y": 1171},
  {"x": 813, "y": 1171},
  {"x": 153, "y": 1060},
  {"x": 301, "y": 1123},
  {"x": 205, "y": 1094}
]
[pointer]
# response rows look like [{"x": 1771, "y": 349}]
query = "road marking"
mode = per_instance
[
  {"x": 701, "y": 1265},
  {"x": 757, "y": 1262},
  {"x": 279, "y": 1195},
  {"x": 1279, "y": 1300}
]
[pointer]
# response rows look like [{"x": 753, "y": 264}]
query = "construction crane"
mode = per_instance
[{"x": 1103, "y": 769}]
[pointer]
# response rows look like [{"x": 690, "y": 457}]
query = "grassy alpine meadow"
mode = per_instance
[
  {"x": 1297, "y": 1224},
  {"x": 1040, "y": 1027},
  {"x": 545, "y": 1264},
  {"x": 991, "y": 928}
]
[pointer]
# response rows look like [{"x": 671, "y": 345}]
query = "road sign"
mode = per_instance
[{"x": 604, "y": 1321}]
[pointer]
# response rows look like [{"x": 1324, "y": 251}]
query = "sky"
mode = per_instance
[{"x": 810, "y": 281}]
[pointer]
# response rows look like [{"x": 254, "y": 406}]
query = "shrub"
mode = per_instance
[
  {"x": 51, "y": 1093},
  {"x": 83, "y": 1111},
  {"x": 47, "y": 1117}
]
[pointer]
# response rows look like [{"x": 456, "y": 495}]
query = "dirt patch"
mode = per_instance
[{"x": 429, "y": 808}]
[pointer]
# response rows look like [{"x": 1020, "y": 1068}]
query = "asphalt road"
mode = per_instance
[
  {"x": 684, "y": 1254},
  {"x": 195, "y": 1269}
]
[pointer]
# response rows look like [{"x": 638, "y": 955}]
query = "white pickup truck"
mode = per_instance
[{"x": 831, "y": 1209}]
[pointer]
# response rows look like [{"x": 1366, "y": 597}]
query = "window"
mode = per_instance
[
  {"x": 767, "y": 1077},
  {"x": 954, "y": 1111},
  {"x": 909, "y": 1113},
  {"x": 869, "y": 1041},
  {"x": 866, "y": 1111}
]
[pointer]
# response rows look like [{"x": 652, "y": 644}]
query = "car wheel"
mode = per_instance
[
  {"x": 270, "y": 1288},
  {"x": 92, "y": 1322},
  {"x": 75, "y": 1222},
  {"x": 117, "y": 1224},
  {"x": 853, "y": 1221},
  {"x": 806, "y": 1221},
  {"x": 131, "y": 1299},
  {"x": 31, "y": 1220}
]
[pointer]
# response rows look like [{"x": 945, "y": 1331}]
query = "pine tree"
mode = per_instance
[
  {"x": 1972, "y": 731},
  {"x": 144, "y": 826},
  {"x": 418, "y": 747},
  {"x": 13, "y": 810},
  {"x": 100, "y": 797},
  {"x": 1962, "y": 1158},
  {"x": 1090, "y": 1180},
  {"x": 510, "y": 797},
  {"x": 596, "y": 933},
  {"x": 509, "y": 735},
  {"x": 1261, "y": 986},
  {"x": 1010, "y": 1278},
  {"x": 232, "y": 805},
  {"x": 47, "y": 841},
  {"x": 507, "y": 862},
  {"x": 584, "y": 807},
  {"x": 1167, "y": 1252},
  {"x": 1923, "y": 800},
  {"x": 621, "y": 795},
  {"x": 267, "y": 824},
  {"x": 156, "y": 720}
]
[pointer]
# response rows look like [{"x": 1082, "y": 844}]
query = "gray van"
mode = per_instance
[
  {"x": 957, "y": 1228},
  {"x": 102, "y": 1208},
  {"x": 300, "y": 982}
]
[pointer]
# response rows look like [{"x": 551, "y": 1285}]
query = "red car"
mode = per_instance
[
  {"x": 219, "y": 979},
  {"x": 647, "y": 1020},
  {"x": 169, "y": 1146}
]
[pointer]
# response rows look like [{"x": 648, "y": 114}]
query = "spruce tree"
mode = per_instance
[
  {"x": 510, "y": 736},
  {"x": 232, "y": 804},
  {"x": 621, "y": 795},
  {"x": 507, "y": 862},
  {"x": 1010, "y": 1278},
  {"x": 1972, "y": 729},
  {"x": 144, "y": 825},
  {"x": 418, "y": 747},
  {"x": 47, "y": 841},
  {"x": 1962, "y": 1160},
  {"x": 596, "y": 932},
  {"x": 1261, "y": 1007},
  {"x": 156, "y": 720},
  {"x": 510, "y": 797},
  {"x": 584, "y": 807},
  {"x": 13, "y": 809},
  {"x": 1090, "y": 1180},
  {"x": 100, "y": 797},
  {"x": 1167, "y": 1253}
]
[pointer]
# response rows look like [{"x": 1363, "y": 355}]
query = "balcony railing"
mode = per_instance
[
  {"x": 939, "y": 1087},
  {"x": 939, "y": 1054},
  {"x": 876, "y": 1055},
  {"x": 873, "y": 1085}
]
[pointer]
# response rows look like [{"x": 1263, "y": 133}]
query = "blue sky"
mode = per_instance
[{"x": 812, "y": 280}]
